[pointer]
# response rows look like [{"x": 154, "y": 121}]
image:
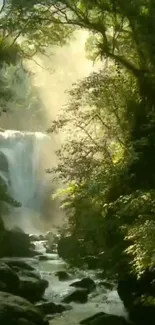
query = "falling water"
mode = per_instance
[{"x": 22, "y": 167}]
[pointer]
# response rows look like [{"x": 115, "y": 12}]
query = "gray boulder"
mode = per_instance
[
  {"x": 31, "y": 287},
  {"x": 103, "y": 318},
  {"x": 16, "y": 263},
  {"x": 80, "y": 296},
  {"x": 62, "y": 275},
  {"x": 15, "y": 243},
  {"x": 36, "y": 237},
  {"x": 9, "y": 280},
  {"x": 50, "y": 308},
  {"x": 15, "y": 310},
  {"x": 86, "y": 283},
  {"x": 50, "y": 249},
  {"x": 42, "y": 258}
]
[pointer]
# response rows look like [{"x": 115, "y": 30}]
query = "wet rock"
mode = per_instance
[
  {"x": 127, "y": 287},
  {"x": 23, "y": 321},
  {"x": 80, "y": 296},
  {"x": 41, "y": 237},
  {"x": 31, "y": 274},
  {"x": 17, "y": 264},
  {"x": 32, "y": 248},
  {"x": 103, "y": 318},
  {"x": 51, "y": 308},
  {"x": 91, "y": 318},
  {"x": 32, "y": 288},
  {"x": 42, "y": 258},
  {"x": 107, "y": 285},
  {"x": 62, "y": 275},
  {"x": 86, "y": 283},
  {"x": 51, "y": 242},
  {"x": 36, "y": 237},
  {"x": 138, "y": 296},
  {"x": 51, "y": 249},
  {"x": 15, "y": 243},
  {"x": 14, "y": 308},
  {"x": 9, "y": 280},
  {"x": 51, "y": 237},
  {"x": 33, "y": 237},
  {"x": 50, "y": 317}
]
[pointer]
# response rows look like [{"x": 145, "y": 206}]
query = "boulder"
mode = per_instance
[
  {"x": 41, "y": 237},
  {"x": 128, "y": 287},
  {"x": 107, "y": 285},
  {"x": 16, "y": 263},
  {"x": 80, "y": 296},
  {"x": 104, "y": 319},
  {"x": 31, "y": 274},
  {"x": 51, "y": 248},
  {"x": 86, "y": 283},
  {"x": 62, "y": 275},
  {"x": 138, "y": 296},
  {"x": 15, "y": 243},
  {"x": 32, "y": 288},
  {"x": 51, "y": 242},
  {"x": 33, "y": 237},
  {"x": 51, "y": 237},
  {"x": 50, "y": 308},
  {"x": 13, "y": 309},
  {"x": 36, "y": 237},
  {"x": 9, "y": 280},
  {"x": 23, "y": 321},
  {"x": 42, "y": 258}
]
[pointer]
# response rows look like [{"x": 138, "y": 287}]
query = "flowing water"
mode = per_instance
[
  {"x": 100, "y": 300},
  {"x": 23, "y": 160}
]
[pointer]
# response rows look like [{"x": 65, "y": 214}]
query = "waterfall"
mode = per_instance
[{"x": 23, "y": 160}]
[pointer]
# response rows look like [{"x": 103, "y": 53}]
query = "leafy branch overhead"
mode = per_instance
[
  {"x": 46, "y": 22},
  {"x": 108, "y": 157}
]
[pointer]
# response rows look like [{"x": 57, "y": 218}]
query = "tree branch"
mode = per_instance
[{"x": 3, "y": 6}]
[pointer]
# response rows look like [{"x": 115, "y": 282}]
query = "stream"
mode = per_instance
[{"x": 100, "y": 300}]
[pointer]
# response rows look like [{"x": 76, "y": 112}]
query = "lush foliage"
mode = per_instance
[
  {"x": 108, "y": 157},
  {"x": 25, "y": 29}
]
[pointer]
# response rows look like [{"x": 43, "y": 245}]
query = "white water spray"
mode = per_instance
[{"x": 22, "y": 167}]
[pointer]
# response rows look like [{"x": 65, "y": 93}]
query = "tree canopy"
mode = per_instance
[{"x": 108, "y": 157}]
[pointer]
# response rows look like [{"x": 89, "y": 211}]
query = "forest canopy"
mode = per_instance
[{"x": 108, "y": 158}]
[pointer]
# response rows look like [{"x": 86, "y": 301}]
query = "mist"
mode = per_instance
[{"x": 38, "y": 99}]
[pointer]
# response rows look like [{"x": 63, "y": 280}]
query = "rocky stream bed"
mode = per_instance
[
  {"x": 52, "y": 293},
  {"x": 41, "y": 289},
  {"x": 99, "y": 299}
]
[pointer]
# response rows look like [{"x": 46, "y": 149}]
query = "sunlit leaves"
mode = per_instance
[{"x": 39, "y": 24}]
